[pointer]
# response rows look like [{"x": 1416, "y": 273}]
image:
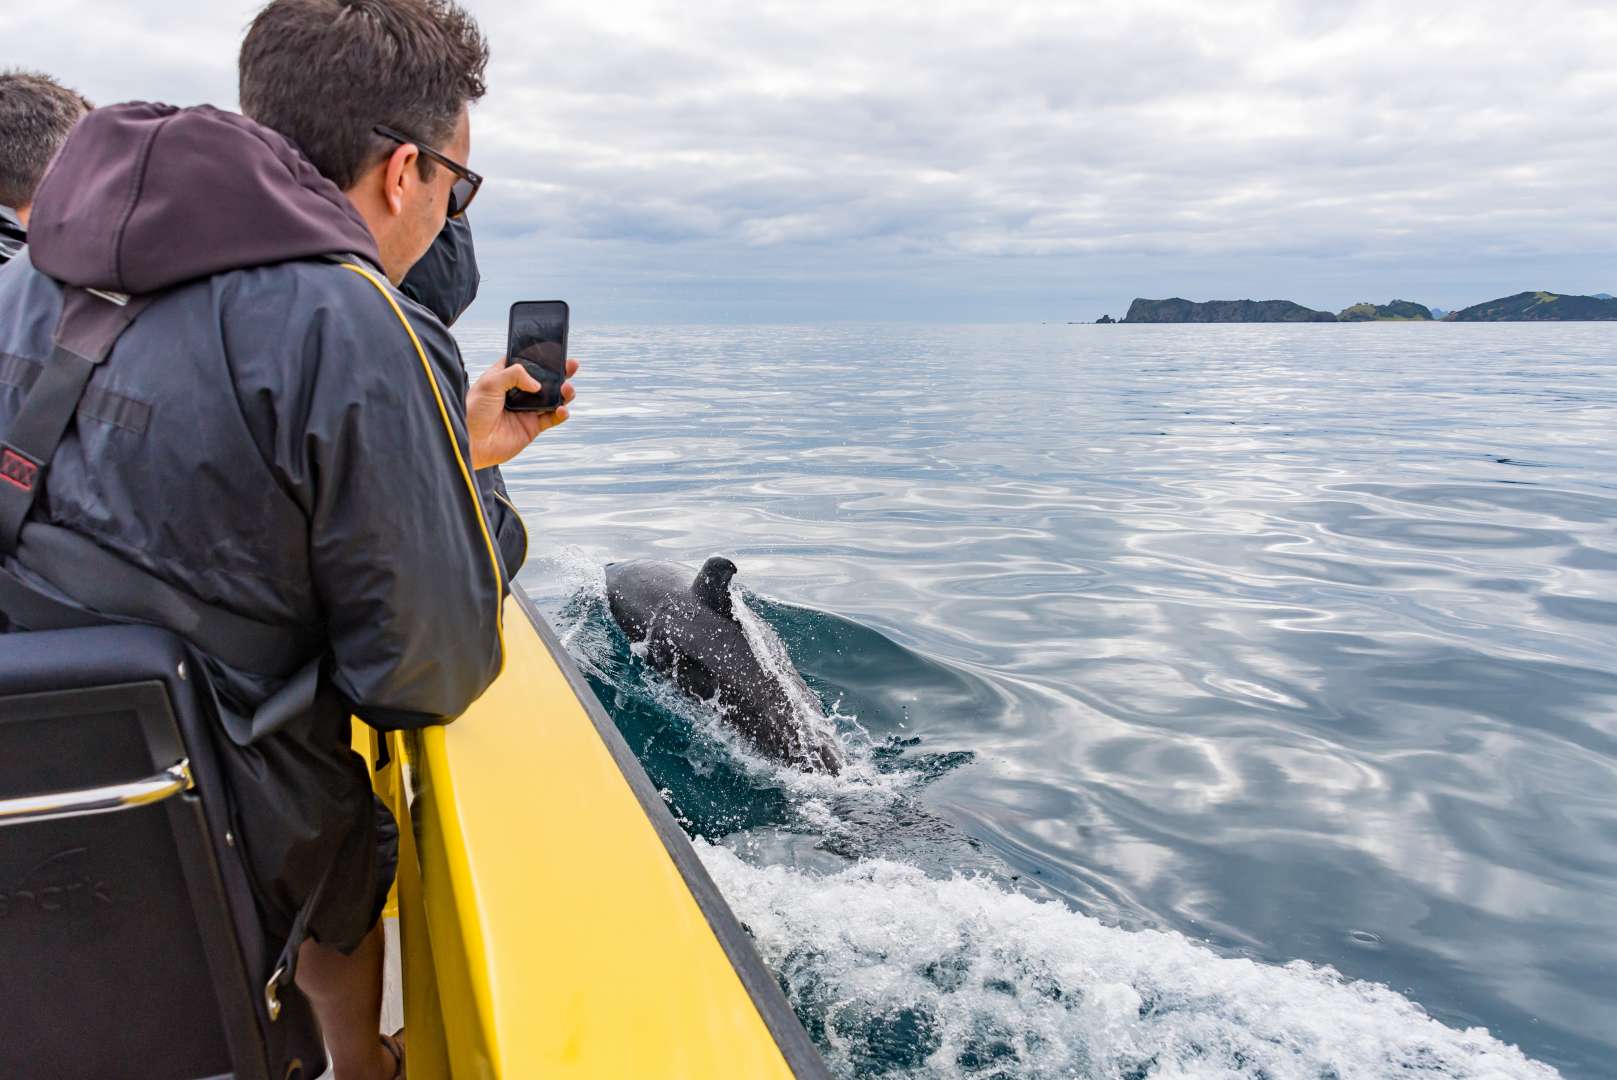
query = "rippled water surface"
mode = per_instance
[{"x": 1295, "y": 643}]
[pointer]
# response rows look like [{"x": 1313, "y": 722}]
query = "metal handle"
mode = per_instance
[{"x": 102, "y": 800}]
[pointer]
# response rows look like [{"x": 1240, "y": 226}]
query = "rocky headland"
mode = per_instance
[
  {"x": 1177, "y": 310},
  {"x": 1538, "y": 307}
]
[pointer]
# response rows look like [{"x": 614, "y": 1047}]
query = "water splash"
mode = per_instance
[
  {"x": 715, "y": 782},
  {"x": 898, "y": 974},
  {"x": 815, "y": 728},
  {"x": 587, "y": 631}
]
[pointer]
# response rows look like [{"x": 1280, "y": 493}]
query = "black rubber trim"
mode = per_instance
[{"x": 794, "y": 1043}]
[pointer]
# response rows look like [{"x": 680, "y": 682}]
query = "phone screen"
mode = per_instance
[{"x": 538, "y": 341}]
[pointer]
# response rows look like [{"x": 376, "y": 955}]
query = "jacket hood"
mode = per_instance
[
  {"x": 144, "y": 196},
  {"x": 445, "y": 279}
]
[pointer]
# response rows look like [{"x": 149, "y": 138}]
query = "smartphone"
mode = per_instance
[{"x": 537, "y": 339}]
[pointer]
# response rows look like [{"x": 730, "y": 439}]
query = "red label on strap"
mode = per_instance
[{"x": 17, "y": 470}]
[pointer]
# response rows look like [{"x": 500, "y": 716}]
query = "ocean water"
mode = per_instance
[{"x": 1222, "y": 701}]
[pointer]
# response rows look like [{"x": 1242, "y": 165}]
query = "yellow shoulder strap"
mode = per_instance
[{"x": 454, "y": 446}]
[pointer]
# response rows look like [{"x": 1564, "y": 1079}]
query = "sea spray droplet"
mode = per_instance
[{"x": 898, "y": 974}]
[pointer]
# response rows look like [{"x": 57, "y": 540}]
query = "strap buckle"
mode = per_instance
[
  {"x": 272, "y": 997},
  {"x": 119, "y": 298},
  {"x": 18, "y": 469}
]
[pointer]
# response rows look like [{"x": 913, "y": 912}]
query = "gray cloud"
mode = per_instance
[{"x": 1006, "y": 160}]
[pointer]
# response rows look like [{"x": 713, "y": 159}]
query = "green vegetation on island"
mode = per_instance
[
  {"x": 1397, "y": 311},
  {"x": 1538, "y": 307},
  {"x": 1177, "y": 310}
]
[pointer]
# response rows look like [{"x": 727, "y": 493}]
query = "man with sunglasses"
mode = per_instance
[{"x": 282, "y": 434}]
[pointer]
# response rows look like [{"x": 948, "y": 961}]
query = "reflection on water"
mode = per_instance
[{"x": 1295, "y": 640}]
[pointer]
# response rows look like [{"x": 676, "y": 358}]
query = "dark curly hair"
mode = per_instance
[{"x": 325, "y": 72}]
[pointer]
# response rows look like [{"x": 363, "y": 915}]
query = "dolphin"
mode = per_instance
[{"x": 692, "y": 635}]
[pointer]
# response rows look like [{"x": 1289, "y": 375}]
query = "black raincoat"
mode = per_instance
[
  {"x": 288, "y": 454},
  {"x": 445, "y": 282}
]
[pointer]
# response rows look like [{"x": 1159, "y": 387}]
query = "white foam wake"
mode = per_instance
[{"x": 905, "y": 975}]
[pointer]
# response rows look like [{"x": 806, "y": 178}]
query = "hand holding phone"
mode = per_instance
[
  {"x": 496, "y": 433},
  {"x": 537, "y": 339}
]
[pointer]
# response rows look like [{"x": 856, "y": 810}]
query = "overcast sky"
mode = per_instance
[{"x": 1001, "y": 161}]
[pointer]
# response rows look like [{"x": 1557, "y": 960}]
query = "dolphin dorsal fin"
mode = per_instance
[{"x": 712, "y": 585}]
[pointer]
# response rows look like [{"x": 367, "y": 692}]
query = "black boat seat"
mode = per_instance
[{"x": 129, "y": 943}]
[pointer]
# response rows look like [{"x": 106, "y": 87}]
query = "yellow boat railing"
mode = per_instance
[{"x": 554, "y": 919}]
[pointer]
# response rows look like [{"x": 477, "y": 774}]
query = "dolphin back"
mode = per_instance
[
  {"x": 692, "y": 636},
  {"x": 634, "y": 591}
]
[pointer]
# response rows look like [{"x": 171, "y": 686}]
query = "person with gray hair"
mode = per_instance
[{"x": 36, "y": 113}]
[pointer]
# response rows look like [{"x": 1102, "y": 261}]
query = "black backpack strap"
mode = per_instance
[
  {"x": 103, "y": 588},
  {"x": 91, "y": 322},
  {"x": 29, "y": 608},
  {"x": 98, "y": 586}
]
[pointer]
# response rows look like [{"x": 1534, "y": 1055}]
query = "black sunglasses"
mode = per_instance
[{"x": 464, "y": 189}]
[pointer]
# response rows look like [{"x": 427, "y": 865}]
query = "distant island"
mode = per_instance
[
  {"x": 1523, "y": 307},
  {"x": 1539, "y": 307},
  {"x": 1397, "y": 311},
  {"x": 1176, "y": 310}
]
